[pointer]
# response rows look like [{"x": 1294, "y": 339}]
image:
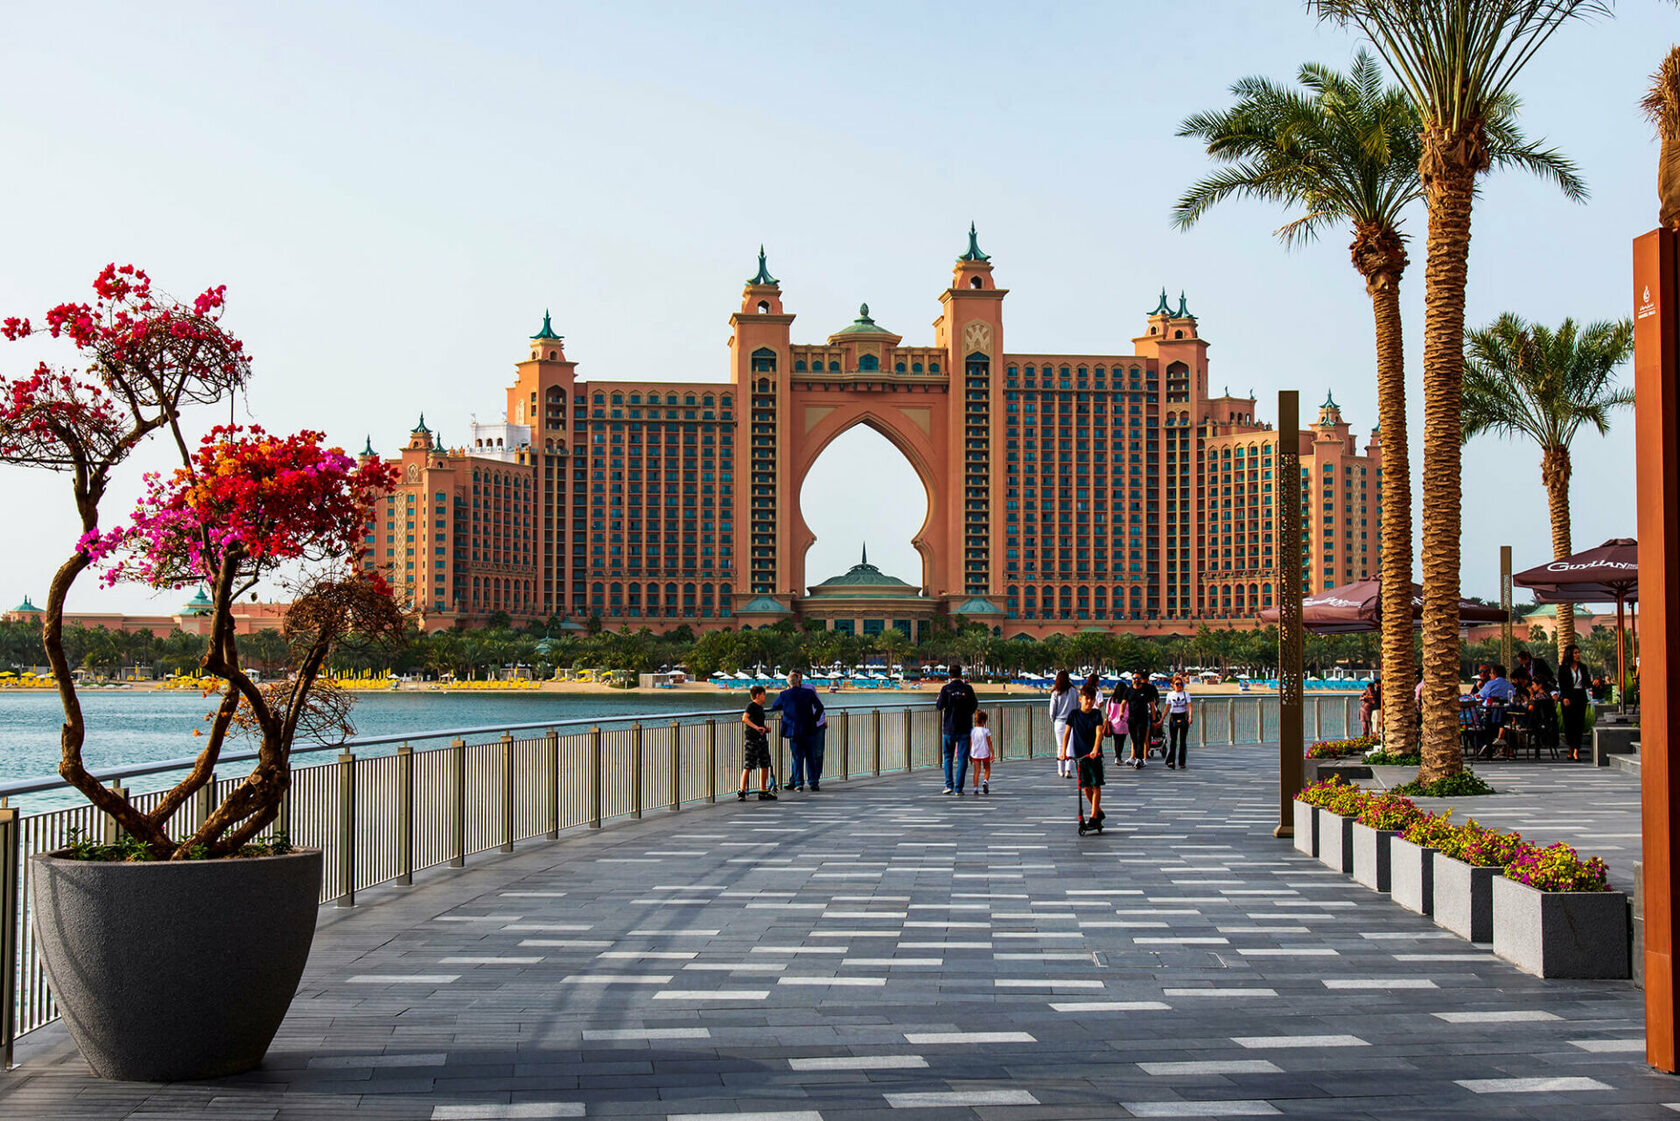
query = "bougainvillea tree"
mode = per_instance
[{"x": 242, "y": 506}]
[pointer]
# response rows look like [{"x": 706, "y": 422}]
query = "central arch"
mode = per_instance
[{"x": 915, "y": 428}]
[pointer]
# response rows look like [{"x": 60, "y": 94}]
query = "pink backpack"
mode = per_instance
[{"x": 1117, "y": 716}]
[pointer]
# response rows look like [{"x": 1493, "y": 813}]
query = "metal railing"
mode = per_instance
[{"x": 381, "y": 818}]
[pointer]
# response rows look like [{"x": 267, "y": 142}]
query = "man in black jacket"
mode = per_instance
[
  {"x": 957, "y": 704},
  {"x": 1573, "y": 682}
]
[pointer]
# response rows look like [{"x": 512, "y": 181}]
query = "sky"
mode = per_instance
[{"x": 393, "y": 194}]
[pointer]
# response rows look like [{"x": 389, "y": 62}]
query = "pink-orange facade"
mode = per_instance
[{"x": 1063, "y": 491}]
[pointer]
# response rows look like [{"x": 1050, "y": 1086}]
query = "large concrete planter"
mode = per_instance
[
  {"x": 1411, "y": 876},
  {"x": 1335, "y": 840},
  {"x": 1371, "y": 856},
  {"x": 1464, "y": 898},
  {"x": 1561, "y": 933},
  {"x": 1306, "y": 828},
  {"x": 174, "y": 970}
]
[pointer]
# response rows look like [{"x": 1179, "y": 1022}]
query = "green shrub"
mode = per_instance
[
  {"x": 1465, "y": 784},
  {"x": 1322, "y": 790},
  {"x": 1429, "y": 830},
  {"x": 1384, "y": 759}
]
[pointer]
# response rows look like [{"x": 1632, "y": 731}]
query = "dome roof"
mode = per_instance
[
  {"x": 862, "y": 574},
  {"x": 862, "y": 325},
  {"x": 27, "y": 607}
]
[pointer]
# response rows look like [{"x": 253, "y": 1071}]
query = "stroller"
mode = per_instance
[{"x": 1157, "y": 748}]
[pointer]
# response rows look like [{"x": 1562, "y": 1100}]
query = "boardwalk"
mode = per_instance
[{"x": 877, "y": 950}]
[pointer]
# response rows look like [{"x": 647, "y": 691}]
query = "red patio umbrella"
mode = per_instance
[
  {"x": 1357, "y": 607},
  {"x": 1607, "y": 574}
]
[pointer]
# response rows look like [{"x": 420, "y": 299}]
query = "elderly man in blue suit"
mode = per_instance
[{"x": 800, "y": 708}]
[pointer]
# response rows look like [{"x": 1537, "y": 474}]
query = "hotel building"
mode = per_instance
[{"x": 1065, "y": 491}]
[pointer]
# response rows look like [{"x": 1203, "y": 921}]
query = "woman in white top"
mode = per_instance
[
  {"x": 1178, "y": 725},
  {"x": 1064, "y": 702}
]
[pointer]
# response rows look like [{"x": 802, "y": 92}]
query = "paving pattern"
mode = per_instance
[{"x": 878, "y": 950}]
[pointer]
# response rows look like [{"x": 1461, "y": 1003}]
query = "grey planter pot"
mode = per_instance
[
  {"x": 1464, "y": 898},
  {"x": 1411, "y": 876},
  {"x": 175, "y": 970},
  {"x": 1371, "y": 865},
  {"x": 1561, "y": 933},
  {"x": 1306, "y": 828},
  {"x": 1335, "y": 840}
]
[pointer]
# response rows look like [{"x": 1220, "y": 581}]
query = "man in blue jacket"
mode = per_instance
[
  {"x": 800, "y": 707},
  {"x": 957, "y": 704}
]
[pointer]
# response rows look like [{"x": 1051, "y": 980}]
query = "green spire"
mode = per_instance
[
  {"x": 1162, "y": 308},
  {"x": 1183, "y": 308},
  {"x": 1329, "y": 401},
  {"x": 367, "y": 448},
  {"x": 421, "y": 427},
  {"x": 763, "y": 277},
  {"x": 865, "y": 553},
  {"x": 547, "y": 331},
  {"x": 973, "y": 253}
]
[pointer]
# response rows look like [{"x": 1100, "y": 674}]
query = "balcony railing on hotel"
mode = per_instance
[{"x": 386, "y": 808}]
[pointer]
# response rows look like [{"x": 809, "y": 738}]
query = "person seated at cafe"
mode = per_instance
[
  {"x": 1497, "y": 688},
  {"x": 1514, "y": 726}
]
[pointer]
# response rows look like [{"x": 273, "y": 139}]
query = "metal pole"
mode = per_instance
[
  {"x": 1507, "y": 636},
  {"x": 711, "y": 759},
  {"x": 458, "y": 802},
  {"x": 635, "y": 770},
  {"x": 507, "y": 792},
  {"x": 1656, "y": 379},
  {"x": 551, "y": 782},
  {"x": 1291, "y": 636},
  {"x": 595, "y": 778},
  {"x": 205, "y": 802},
  {"x": 347, "y": 829},
  {"x": 11, "y": 918},
  {"x": 113, "y": 832},
  {"x": 405, "y": 814},
  {"x": 676, "y": 767},
  {"x": 875, "y": 716},
  {"x": 845, "y": 744}
]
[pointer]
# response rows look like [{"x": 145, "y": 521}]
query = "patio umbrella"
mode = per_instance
[
  {"x": 1607, "y": 574},
  {"x": 1357, "y": 607}
]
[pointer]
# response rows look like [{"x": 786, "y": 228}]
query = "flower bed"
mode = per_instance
[
  {"x": 1379, "y": 819},
  {"x": 1341, "y": 749}
]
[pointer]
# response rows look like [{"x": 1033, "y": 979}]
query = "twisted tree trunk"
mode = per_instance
[
  {"x": 1449, "y": 166},
  {"x": 1555, "y": 470},
  {"x": 1380, "y": 256}
]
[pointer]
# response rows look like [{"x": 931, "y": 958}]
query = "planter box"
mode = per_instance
[
  {"x": 1306, "y": 828},
  {"x": 1371, "y": 856},
  {"x": 1412, "y": 876},
  {"x": 1561, "y": 933},
  {"x": 1335, "y": 840},
  {"x": 1464, "y": 898}
]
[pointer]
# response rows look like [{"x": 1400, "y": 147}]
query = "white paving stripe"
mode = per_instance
[
  {"x": 1511, "y": 1016},
  {"x": 1046, "y": 983},
  {"x": 616, "y": 979},
  {"x": 1529, "y": 1085},
  {"x": 1269, "y": 1042},
  {"x": 1210, "y": 1066},
  {"x": 490, "y": 961},
  {"x": 1610, "y": 1046},
  {"x": 712, "y": 994},
  {"x": 1220, "y": 993},
  {"x": 861, "y": 1062},
  {"x": 404, "y": 978},
  {"x": 1350, "y": 983},
  {"x": 758, "y": 1115},
  {"x": 503, "y": 1111},
  {"x": 935, "y": 1099},
  {"x": 1243, "y": 1108},
  {"x": 859, "y": 982},
  {"x": 1111, "y": 1006},
  {"x": 928, "y": 1037},
  {"x": 608, "y": 1035}
]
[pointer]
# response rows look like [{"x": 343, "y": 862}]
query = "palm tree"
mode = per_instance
[
  {"x": 1523, "y": 379},
  {"x": 1345, "y": 148},
  {"x": 1662, "y": 105},
  {"x": 1457, "y": 60}
]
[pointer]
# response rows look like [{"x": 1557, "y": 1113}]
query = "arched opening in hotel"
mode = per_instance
[{"x": 862, "y": 490}]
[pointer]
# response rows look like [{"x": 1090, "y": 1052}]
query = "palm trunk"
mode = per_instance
[
  {"x": 1450, "y": 181},
  {"x": 1555, "y": 470},
  {"x": 1399, "y": 676}
]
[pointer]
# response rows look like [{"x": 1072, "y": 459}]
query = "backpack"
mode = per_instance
[{"x": 1117, "y": 716}]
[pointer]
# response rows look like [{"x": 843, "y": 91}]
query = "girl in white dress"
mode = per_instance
[{"x": 980, "y": 751}]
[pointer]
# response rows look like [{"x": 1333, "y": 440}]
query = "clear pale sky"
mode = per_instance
[{"x": 393, "y": 193}]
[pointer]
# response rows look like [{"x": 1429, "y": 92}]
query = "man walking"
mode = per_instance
[
  {"x": 956, "y": 705},
  {"x": 800, "y": 708},
  {"x": 1143, "y": 702},
  {"x": 1573, "y": 683}
]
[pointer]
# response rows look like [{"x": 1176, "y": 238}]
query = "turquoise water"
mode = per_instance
[{"x": 133, "y": 728}]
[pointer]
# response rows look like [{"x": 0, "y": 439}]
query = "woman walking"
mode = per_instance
[
  {"x": 1064, "y": 702},
  {"x": 1178, "y": 725}
]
